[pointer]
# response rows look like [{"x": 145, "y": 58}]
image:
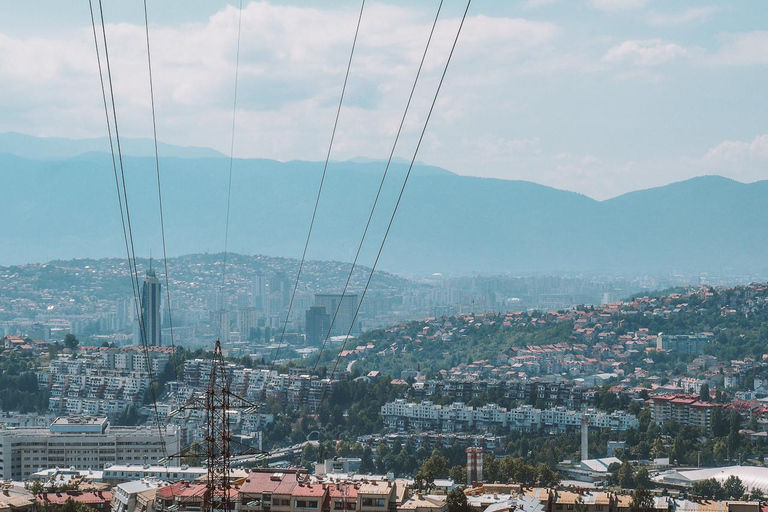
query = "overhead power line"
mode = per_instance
[
  {"x": 159, "y": 188},
  {"x": 400, "y": 195},
  {"x": 381, "y": 186},
  {"x": 320, "y": 188},
  {"x": 231, "y": 154},
  {"x": 123, "y": 201}
]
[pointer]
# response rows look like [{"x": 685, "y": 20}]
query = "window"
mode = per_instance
[{"x": 338, "y": 505}]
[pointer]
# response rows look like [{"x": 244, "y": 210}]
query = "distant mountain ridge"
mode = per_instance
[
  {"x": 66, "y": 207},
  {"x": 45, "y": 148}
]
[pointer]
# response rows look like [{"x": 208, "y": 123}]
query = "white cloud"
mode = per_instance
[
  {"x": 538, "y": 3},
  {"x": 649, "y": 52},
  {"x": 736, "y": 151},
  {"x": 292, "y": 64},
  {"x": 747, "y": 48},
  {"x": 744, "y": 161},
  {"x": 687, "y": 16},
  {"x": 494, "y": 148},
  {"x": 617, "y": 5}
]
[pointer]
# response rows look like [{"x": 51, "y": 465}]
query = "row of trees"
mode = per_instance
[{"x": 732, "y": 488}]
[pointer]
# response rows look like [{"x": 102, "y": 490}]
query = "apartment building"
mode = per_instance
[
  {"x": 288, "y": 490},
  {"x": 685, "y": 409},
  {"x": 402, "y": 416},
  {"x": 82, "y": 443}
]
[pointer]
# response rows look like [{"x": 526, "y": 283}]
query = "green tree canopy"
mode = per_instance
[
  {"x": 71, "y": 341},
  {"x": 457, "y": 501},
  {"x": 733, "y": 488},
  {"x": 642, "y": 500}
]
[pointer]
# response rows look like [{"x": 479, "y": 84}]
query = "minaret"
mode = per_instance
[
  {"x": 585, "y": 437},
  {"x": 150, "y": 308}
]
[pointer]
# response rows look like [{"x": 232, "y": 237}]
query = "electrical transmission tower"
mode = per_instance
[
  {"x": 219, "y": 402},
  {"x": 217, "y": 406}
]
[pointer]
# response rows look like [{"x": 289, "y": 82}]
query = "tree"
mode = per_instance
[
  {"x": 704, "y": 393},
  {"x": 458, "y": 474},
  {"x": 545, "y": 477},
  {"x": 423, "y": 481},
  {"x": 491, "y": 468},
  {"x": 625, "y": 476},
  {"x": 733, "y": 488},
  {"x": 709, "y": 488},
  {"x": 34, "y": 486},
  {"x": 642, "y": 501},
  {"x": 367, "y": 465},
  {"x": 436, "y": 465},
  {"x": 457, "y": 501},
  {"x": 658, "y": 447},
  {"x": 642, "y": 478},
  {"x": 71, "y": 341}
]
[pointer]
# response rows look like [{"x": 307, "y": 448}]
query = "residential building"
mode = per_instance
[
  {"x": 402, "y": 416},
  {"x": 682, "y": 343},
  {"x": 685, "y": 409},
  {"x": 81, "y": 443}
]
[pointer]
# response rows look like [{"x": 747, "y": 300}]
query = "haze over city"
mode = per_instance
[{"x": 383, "y": 256}]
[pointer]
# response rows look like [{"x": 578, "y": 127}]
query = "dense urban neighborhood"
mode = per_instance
[{"x": 594, "y": 404}]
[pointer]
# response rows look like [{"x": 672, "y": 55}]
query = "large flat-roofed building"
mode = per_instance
[
  {"x": 82, "y": 443},
  {"x": 682, "y": 343},
  {"x": 120, "y": 473}
]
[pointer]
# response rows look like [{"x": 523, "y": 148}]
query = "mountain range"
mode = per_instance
[{"x": 59, "y": 201}]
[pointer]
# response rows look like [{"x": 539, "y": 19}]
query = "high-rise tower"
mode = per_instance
[{"x": 150, "y": 308}]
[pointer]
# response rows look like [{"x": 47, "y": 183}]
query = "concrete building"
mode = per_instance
[
  {"x": 402, "y": 416},
  {"x": 247, "y": 319},
  {"x": 81, "y": 443},
  {"x": 134, "y": 496},
  {"x": 682, "y": 343},
  {"x": 330, "y": 301},
  {"x": 150, "y": 309},
  {"x": 316, "y": 324},
  {"x": 223, "y": 324},
  {"x": 685, "y": 409}
]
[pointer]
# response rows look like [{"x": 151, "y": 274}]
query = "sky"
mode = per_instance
[{"x": 600, "y": 97}]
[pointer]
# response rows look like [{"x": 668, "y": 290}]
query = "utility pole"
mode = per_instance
[
  {"x": 217, "y": 493},
  {"x": 218, "y": 401}
]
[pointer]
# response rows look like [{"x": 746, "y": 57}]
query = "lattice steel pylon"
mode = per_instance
[
  {"x": 217, "y": 406},
  {"x": 218, "y": 402}
]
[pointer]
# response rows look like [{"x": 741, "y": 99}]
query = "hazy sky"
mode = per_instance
[{"x": 597, "y": 96}]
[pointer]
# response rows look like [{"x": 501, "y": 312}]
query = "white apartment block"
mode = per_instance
[
  {"x": 401, "y": 416},
  {"x": 82, "y": 443}
]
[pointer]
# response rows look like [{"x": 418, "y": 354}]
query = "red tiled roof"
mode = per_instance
[
  {"x": 340, "y": 490},
  {"x": 60, "y": 498},
  {"x": 309, "y": 491},
  {"x": 274, "y": 482},
  {"x": 181, "y": 490}
]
